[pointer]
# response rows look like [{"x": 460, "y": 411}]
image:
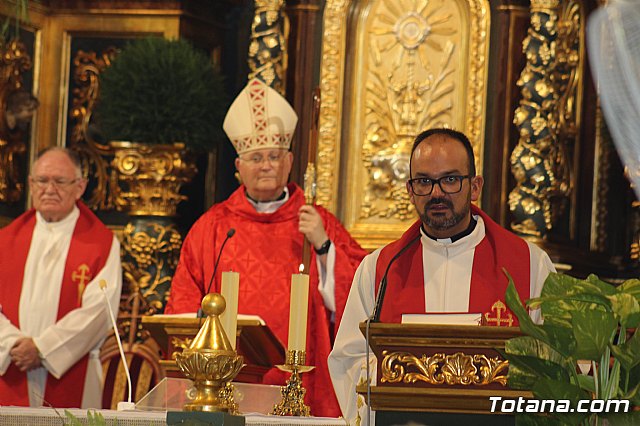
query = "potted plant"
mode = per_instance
[
  {"x": 160, "y": 101},
  {"x": 163, "y": 96},
  {"x": 587, "y": 348}
]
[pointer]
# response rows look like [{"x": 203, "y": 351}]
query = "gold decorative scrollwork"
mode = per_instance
[
  {"x": 267, "y": 47},
  {"x": 547, "y": 117},
  {"x": 14, "y": 61},
  {"x": 183, "y": 344},
  {"x": 146, "y": 179},
  {"x": 150, "y": 253},
  {"x": 333, "y": 56},
  {"x": 85, "y": 137},
  {"x": 442, "y": 369}
]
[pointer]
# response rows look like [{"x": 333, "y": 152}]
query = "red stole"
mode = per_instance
[
  {"x": 498, "y": 249},
  {"x": 88, "y": 253}
]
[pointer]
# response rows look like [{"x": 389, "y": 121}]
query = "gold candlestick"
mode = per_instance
[{"x": 293, "y": 392}]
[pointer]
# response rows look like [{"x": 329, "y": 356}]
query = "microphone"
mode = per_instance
[
  {"x": 230, "y": 233},
  {"x": 122, "y": 405},
  {"x": 383, "y": 282},
  {"x": 376, "y": 318}
]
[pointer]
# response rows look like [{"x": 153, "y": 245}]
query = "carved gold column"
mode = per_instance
[
  {"x": 147, "y": 181},
  {"x": 267, "y": 48},
  {"x": 546, "y": 118},
  {"x": 14, "y": 61}
]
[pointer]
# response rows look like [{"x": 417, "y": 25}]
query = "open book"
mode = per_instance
[{"x": 444, "y": 318}]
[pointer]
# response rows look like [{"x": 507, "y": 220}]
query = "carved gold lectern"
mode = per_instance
[
  {"x": 256, "y": 342},
  {"x": 444, "y": 369}
]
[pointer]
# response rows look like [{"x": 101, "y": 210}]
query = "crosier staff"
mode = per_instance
[{"x": 310, "y": 172}]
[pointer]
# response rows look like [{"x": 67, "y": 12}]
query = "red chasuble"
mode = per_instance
[
  {"x": 90, "y": 246},
  {"x": 266, "y": 250},
  {"x": 498, "y": 249}
]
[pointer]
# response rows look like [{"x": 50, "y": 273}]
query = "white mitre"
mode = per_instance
[{"x": 260, "y": 118}]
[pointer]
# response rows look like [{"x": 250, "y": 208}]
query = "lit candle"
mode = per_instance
[
  {"x": 298, "y": 311},
  {"x": 229, "y": 318}
]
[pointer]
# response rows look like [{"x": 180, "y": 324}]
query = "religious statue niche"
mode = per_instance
[
  {"x": 547, "y": 119},
  {"x": 414, "y": 59},
  {"x": 267, "y": 48},
  {"x": 17, "y": 106}
]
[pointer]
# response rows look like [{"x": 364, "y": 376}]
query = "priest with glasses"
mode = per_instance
[{"x": 453, "y": 259}]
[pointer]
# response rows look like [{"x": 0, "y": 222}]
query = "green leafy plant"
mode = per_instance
[
  {"x": 160, "y": 91},
  {"x": 93, "y": 419},
  {"x": 584, "y": 320}
]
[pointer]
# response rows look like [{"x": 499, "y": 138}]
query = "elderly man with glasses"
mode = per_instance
[
  {"x": 271, "y": 221},
  {"x": 53, "y": 316},
  {"x": 450, "y": 260}
]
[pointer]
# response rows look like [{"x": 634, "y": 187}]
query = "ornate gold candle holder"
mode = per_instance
[
  {"x": 293, "y": 392},
  {"x": 211, "y": 362}
]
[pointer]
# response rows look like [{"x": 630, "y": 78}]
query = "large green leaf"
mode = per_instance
[
  {"x": 557, "y": 390},
  {"x": 560, "y": 338},
  {"x": 593, "y": 331},
  {"x": 634, "y": 381},
  {"x": 521, "y": 376},
  {"x": 553, "y": 389},
  {"x": 514, "y": 303},
  {"x": 628, "y": 353},
  {"x": 529, "y": 346},
  {"x": 603, "y": 287},
  {"x": 558, "y": 310},
  {"x": 563, "y": 294},
  {"x": 631, "y": 287},
  {"x": 526, "y": 367},
  {"x": 626, "y": 308},
  {"x": 587, "y": 383},
  {"x": 558, "y": 285}
]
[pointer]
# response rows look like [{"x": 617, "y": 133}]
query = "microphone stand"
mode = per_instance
[
  {"x": 375, "y": 317},
  {"x": 230, "y": 233},
  {"x": 383, "y": 282}
]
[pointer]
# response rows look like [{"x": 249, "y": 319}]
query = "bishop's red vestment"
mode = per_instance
[{"x": 266, "y": 250}]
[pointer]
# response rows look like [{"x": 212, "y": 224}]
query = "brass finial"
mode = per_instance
[{"x": 211, "y": 362}]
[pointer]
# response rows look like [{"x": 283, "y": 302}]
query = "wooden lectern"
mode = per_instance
[
  {"x": 439, "y": 374},
  {"x": 256, "y": 342}
]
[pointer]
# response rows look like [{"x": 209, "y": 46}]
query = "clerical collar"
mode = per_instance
[
  {"x": 269, "y": 206},
  {"x": 68, "y": 221},
  {"x": 453, "y": 239}
]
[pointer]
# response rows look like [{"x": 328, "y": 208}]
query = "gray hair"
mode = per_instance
[{"x": 71, "y": 154}]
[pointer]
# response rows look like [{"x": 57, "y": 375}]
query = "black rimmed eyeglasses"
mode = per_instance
[{"x": 448, "y": 184}]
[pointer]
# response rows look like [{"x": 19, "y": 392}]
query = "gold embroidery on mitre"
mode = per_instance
[
  {"x": 502, "y": 316},
  {"x": 81, "y": 276}
]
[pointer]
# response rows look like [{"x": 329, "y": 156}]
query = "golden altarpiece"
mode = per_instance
[{"x": 511, "y": 74}]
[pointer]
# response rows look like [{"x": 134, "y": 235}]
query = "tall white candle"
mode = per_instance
[
  {"x": 230, "y": 292},
  {"x": 298, "y": 311}
]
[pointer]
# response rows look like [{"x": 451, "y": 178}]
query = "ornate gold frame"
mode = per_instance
[{"x": 343, "y": 184}]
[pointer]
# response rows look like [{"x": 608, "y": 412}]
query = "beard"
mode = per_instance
[{"x": 444, "y": 222}]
